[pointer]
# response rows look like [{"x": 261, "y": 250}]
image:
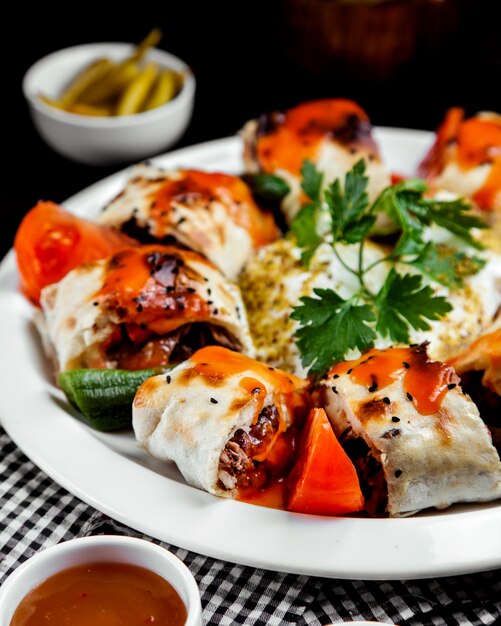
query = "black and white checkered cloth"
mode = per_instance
[{"x": 36, "y": 513}]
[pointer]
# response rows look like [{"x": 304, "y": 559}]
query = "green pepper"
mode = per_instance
[
  {"x": 104, "y": 397},
  {"x": 268, "y": 187}
]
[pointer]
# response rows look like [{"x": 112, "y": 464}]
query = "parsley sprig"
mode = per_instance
[{"x": 330, "y": 326}]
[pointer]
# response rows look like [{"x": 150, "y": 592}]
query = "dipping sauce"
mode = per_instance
[{"x": 102, "y": 594}]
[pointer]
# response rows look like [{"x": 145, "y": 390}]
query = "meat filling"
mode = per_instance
[
  {"x": 236, "y": 465},
  {"x": 370, "y": 474},
  {"x": 173, "y": 348}
]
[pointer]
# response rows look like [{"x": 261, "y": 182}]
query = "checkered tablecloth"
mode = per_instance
[{"x": 36, "y": 513}]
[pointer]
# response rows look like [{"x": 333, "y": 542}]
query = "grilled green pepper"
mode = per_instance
[{"x": 104, "y": 397}]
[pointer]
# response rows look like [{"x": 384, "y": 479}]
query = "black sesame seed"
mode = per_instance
[
  {"x": 180, "y": 307},
  {"x": 206, "y": 279},
  {"x": 336, "y": 376},
  {"x": 451, "y": 385},
  {"x": 209, "y": 291},
  {"x": 409, "y": 397},
  {"x": 334, "y": 389},
  {"x": 169, "y": 289},
  {"x": 191, "y": 290},
  {"x": 398, "y": 473},
  {"x": 216, "y": 311},
  {"x": 209, "y": 302},
  {"x": 95, "y": 303},
  {"x": 386, "y": 400},
  {"x": 413, "y": 345},
  {"x": 373, "y": 388},
  {"x": 395, "y": 418},
  {"x": 168, "y": 379},
  {"x": 139, "y": 308},
  {"x": 350, "y": 370},
  {"x": 272, "y": 369},
  {"x": 181, "y": 220},
  {"x": 389, "y": 434},
  {"x": 214, "y": 401},
  {"x": 406, "y": 365}
]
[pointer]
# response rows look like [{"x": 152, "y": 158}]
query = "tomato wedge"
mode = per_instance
[
  {"x": 324, "y": 480},
  {"x": 50, "y": 242}
]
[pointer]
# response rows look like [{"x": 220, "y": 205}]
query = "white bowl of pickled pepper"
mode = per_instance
[{"x": 105, "y": 103}]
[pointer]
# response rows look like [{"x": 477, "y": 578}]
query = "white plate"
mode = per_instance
[{"x": 112, "y": 474}]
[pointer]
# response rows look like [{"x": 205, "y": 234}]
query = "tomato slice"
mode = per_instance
[
  {"x": 50, "y": 242},
  {"x": 324, "y": 480}
]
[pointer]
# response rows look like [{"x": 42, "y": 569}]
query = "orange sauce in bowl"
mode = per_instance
[{"x": 102, "y": 594}]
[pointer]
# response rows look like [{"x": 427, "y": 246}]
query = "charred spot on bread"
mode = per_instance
[{"x": 373, "y": 409}]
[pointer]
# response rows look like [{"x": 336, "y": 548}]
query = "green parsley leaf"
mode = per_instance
[
  {"x": 410, "y": 242},
  {"x": 445, "y": 265},
  {"x": 350, "y": 222},
  {"x": 403, "y": 302},
  {"x": 399, "y": 202},
  {"x": 455, "y": 216},
  {"x": 331, "y": 327},
  {"x": 311, "y": 181},
  {"x": 304, "y": 227},
  {"x": 268, "y": 187}
]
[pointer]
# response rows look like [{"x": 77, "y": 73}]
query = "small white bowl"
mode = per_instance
[
  {"x": 105, "y": 140},
  {"x": 104, "y": 548}
]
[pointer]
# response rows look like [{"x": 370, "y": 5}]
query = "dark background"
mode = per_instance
[{"x": 246, "y": 60}]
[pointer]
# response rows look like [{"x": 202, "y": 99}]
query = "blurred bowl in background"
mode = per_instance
[{"x": 105, "y": 140}]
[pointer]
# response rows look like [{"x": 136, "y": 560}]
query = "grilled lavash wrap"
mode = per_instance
[
  {"x": 416, "y": 439},
  {"x": 480, "y": 369},
  {"x": 333, "y": 134},
  {"x": 211, "y": 213},
  {"x": 466, "y": 159},
  {"x": 219, "y": 416},
  {"x": 145, "y": 306}
]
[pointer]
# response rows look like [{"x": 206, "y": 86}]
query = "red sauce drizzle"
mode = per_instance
[
  {"x": 489, "y": 196},
  {"x": 273, "y": 496},
  {"x": 425, "y": 382},
  {"x": 277, "y": 466},
  {"x": 230, "y": 190},
  {"x": 298, "y": 133},
  {"x": 434, "y": 162},
  {"x": 218, "y": 363},
  {"x": 479, "y": 141},
  {"x": 142, "y": 287}
]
